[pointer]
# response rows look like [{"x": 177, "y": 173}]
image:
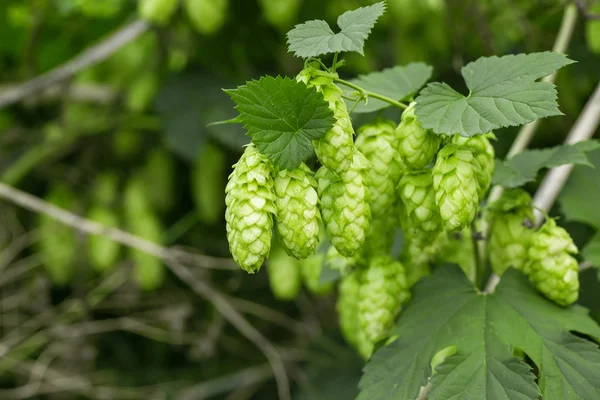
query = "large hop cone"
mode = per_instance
[
  {"x": 416, "y": 146},
  {"x": 551, "y": 267},
  {"x": 345, "y": 205},
  {"x": 420, "y": 215},
  {"x": 284, "y": 275},
  {"x": 456, "y": 185},
  {"x": 298, "y": 215},
  {"x": 382, "y": 292},
  {"x": 335, "y": 149},
  {"x": 250, "y": 201},
  {"x": 484, "y": 154},
  {"x": 511, "y": 232}
]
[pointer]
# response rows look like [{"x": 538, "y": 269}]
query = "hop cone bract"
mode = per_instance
[
  {"x": 250, "y": 201},
  {"x": 335, "y": 149},
  {"x": 416, "y": 146},
  {"x": 383, "y": 290},
  {"x": 511, "y": 231},
  {"x": 551, "y": 268},
  {"x": 298, "y": 215},
  {"x": 456, "y": 186},
  {"x": 345, "y": 205},
  {"x": 484, "y": 154}
]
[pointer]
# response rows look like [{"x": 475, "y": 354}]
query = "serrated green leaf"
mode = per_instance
[
  {"x": 524, "y": 167},
  {"x": 397, "y": 83},
  {"x": 485, "y": 329},
  {"x": 314, "y": 38},
  {"x": 583, "y": 186},
  {"x": 591, "y": 251},
  {"x": 502, "y": 92},
  {"x": 283, "y": 117}
]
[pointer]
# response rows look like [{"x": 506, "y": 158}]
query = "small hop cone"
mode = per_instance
[
  {"x": 345, "y": 205},
  {"x": 298, "y": 217},
  {"x": 250, "y": 201},
  {"x": 335, "y": 149},
  {"x": 377, "y": 142},
  {"x": 484, "y": 154},
  {"x": 284, "y": 275},
  {"x": 420, "y": 214},
  {"x": 338, "y": 262},
  {"x": 551, "y": 267},
  {"x": 456, "y": 185},
  {"x": 383, "y": 290},
  {"x": 311, "y": 269},
  {"x": 347, "y": 306},
  {"x": 416, "y": 146},
  {"x": 511, "y": 231}
]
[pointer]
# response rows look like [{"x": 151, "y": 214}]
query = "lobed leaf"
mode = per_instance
[
  {"x": 485, "y": 331},
  {"x": 502, "y": 92},
  {"x": 314, "y": 38},
  {"x": 523, "y": 167},
  {"x": 397, "y": 83},
  {"x": 577, "y": 199},
  {"x": 283, "y": 117}
]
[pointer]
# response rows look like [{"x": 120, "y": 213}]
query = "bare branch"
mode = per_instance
[{"x": 89, "y": 57}]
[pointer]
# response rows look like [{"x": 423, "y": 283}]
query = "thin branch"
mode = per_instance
[
  {"x": 366, "y": 94},
  {"x": 224, "y": 307},
  {"x": 87, "y": 58},
  {"x": 584, "y": 10},
  {"x": 36, "y": 204}
]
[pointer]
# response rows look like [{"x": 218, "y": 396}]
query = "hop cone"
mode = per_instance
[
  {"x": 420, "y": 214},
  {"x": 345, "y": 205},
  {"x": 417, "y": 146},
  {"x": 298, "y": 215},
  {"x": 250, "y": 202},
  {"x": 551, "y": 268},
  {"x": 311, "y": 269},
  {"x": 484, "y": 154},
  {"x": 456, "y": 186},
  {"x": 338, "y": 262},
  {"x": 510, "y": 233},
  {"x": 382, "y": 291},
  {"x": 347, "y": 306},
  {"x": 284, "y": 275},
  {"x": 336, "y": 148}
]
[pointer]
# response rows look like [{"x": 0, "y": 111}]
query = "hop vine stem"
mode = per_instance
[
  {"x": 366, "y": 93},
  {"x": 526, "y": 134}
]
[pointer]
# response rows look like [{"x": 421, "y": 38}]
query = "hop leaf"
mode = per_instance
[
  {"x": 345, "y": 205},
  {"x": 456, "y": 186},
  {"x": 551, "y": 268},
  {"x": 298, "y": 215},
  {"x": 284, "y": 275},
  {"x": 417, "y": 146},
  {"x": 484, "y": 154},
  {"x": 383, "y": 290},
  {"x": 511, "y": 231},
  {"x": 336, "y": 148},
  {"x": 250, "y": 202}
]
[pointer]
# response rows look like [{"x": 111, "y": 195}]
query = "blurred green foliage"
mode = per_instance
[{"x": 126, "y": 143}]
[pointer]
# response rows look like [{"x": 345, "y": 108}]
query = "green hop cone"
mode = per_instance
[
  {"x": 551, "y": 267},
  {"x": 511, "y": 231},
  {"x": 284, "y": 275},
  {"x": 338, "y": 262},
  {"x": 382, "y": 292},
  {"x": 456, "y": 186},
  {"x": 336, "y": 148},
  {"x": 298, "y": 215},
  {"x": 311, "y": 269},
  {"x": 345, "y": 205},
  {"x": 416, "y": 146},
  {"x": 157, "y": 11},
  {"x": 484, "y": 154},
  {"x": 420, "y": 215},
  {"x": 250, "y": 201}
]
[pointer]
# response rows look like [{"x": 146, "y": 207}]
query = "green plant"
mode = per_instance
[{"x": 430, "y": 173}]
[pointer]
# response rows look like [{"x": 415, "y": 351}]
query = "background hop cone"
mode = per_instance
[
  {"x": 347, "y": 306},
  {"x": 284, "y": 275},
  {"x": 551, "y": 268},
  {"x": 336, "y": 148},
  {"x": 416, "y": 146},
  {"x": 311, "y": 269},
  {"x": 511, "y": 231},
  {"x": 345, "y": 205},
  {"x": 382, "y": 292},
  {"x": 456, "y": 186},
  {"x": 338, "y": 262},
  {"x": 250, "y": 202},
  {"x": 298, "y": 214},
  {"x": 484, "y": 154}
]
